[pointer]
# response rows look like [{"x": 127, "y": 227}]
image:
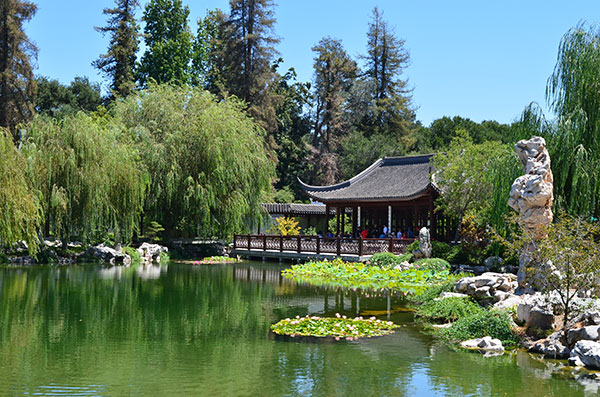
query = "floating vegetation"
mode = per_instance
[
  {"x": 213, "y": 260},
  {"x": 411, "y": 279},
  {"x": 339, "y": 327}
]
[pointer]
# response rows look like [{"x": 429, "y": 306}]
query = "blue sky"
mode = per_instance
[{"x": 485, "y": 60}]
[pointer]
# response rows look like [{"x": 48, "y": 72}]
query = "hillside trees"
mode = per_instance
[
  {"x": 17, "y": 85},
  {"x": 168, "y": 40},
  {"x": 119, "y": 61},
  {"x": 56, "y": 100}
]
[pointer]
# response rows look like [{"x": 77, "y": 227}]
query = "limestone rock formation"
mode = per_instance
[
  {"x": 487, "y": 344},
  {"x": 424, "y": 250},
  {"x": 109, "y": 255},
  {"x": 488, "y": 287},
  {"x": 586, "y": 353},
  {"x": 150, "y": 253},
  {"x": 532, "y": 194}
]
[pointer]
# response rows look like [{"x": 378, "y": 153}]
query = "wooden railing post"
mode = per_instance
[
  {"x": 318, "y": 245},
  {"x": 281, "y": 243},
  {"x": 249, "y": 242},
  {"x": 360, "y": 246},
  {"x": 299, "y": 243},
  {"x": 391, "y": 245},
  {"x": 339, "y": 246},
  {"x": 234, "y": 241},
  {"x": 264, "y": 242}
]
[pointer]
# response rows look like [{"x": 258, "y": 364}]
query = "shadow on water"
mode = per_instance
[{"x": 179, "y": 329}]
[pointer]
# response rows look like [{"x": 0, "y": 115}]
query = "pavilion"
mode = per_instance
[{"x": 393, "y": 191}]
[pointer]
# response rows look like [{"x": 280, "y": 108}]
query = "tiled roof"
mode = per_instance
[
  {"x": 389, "y": 178},
  {"x": 298, "y": 209}
]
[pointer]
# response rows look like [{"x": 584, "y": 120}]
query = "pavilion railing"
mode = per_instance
[{"x": 320, "y": 245}]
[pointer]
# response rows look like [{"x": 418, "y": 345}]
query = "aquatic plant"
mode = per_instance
[
  {"x": 213, "y": 260},
  {"x": 338, "y": 327},
  {"x": 362, "y": 275},
  {"x": 483, "y": 323},
  {"x": 448, "y": 309}
]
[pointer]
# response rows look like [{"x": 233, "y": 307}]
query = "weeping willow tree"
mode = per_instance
[
  {"x": 89, "y": 181},
  {"x": 206, "y": 159},
  {"x": 573, "y": 93},
  {"x": 21, "y": 212}
]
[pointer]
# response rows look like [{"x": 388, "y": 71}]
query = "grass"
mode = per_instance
[
  {"x": 338, "y": 327},
  {"x": 448, "y": 309},
  {"x": 484, "y": 323}
]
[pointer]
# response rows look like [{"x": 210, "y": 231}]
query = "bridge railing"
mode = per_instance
[{"x": 320, "y": 245}]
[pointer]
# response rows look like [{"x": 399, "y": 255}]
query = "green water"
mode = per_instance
[{"x": 204, "y": 330}]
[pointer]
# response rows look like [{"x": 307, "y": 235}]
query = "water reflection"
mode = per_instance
[{"x": 187, "y": 329}]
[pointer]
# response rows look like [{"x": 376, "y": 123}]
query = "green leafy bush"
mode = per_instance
[
  {"x": 484, "y": 323},
  {"x": 448, "y": 309},
  {"x": 164, "y": 258},
  {"x": 385, "y": 259},
  {"x": 412, "y": 247},
  {"x": 435, "y": 264},
  {"x": 136, "y": 258},
  {"x": 432, "y": 292},
  {"x": 440, "y": 249}
]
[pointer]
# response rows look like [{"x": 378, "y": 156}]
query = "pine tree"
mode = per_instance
[
  {"x": 119, "y": 61},
  {"x": 385, "y": 61},
  {"x": 17, "y": 85},
  {"x": 335, "y": 73},
  {"x": 169, "y": 43},
  {"x": 250, "y": 53},
  {"x": 208, "y": 58}
]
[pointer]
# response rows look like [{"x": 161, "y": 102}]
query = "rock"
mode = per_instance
[
  {"x": 508, "y": 302},
  {"x": 21, "y": 260},
  {"x": 586, "y": 353},
  {"x": 591, "y": 317},
  {"x": 445, "y": 295},
  {"x": 151, "y": 252},
  {"x": 535, "y": 311},
  {"x": 493, "y": 262},
  {"x": 553, "y": 346},
  {"x": 424, "y": 250},
  {"x": 589, "y": 332},
  {"x": 487, "y": 287},
  {"x": 485, "y": 344},
  {"x": 532, "y": 194},
  {"x": 109, "y": 255}
]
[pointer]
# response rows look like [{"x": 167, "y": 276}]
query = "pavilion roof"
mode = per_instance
[
  {"x": 389, "y": 178},
  {"x": 298, "y": 209}
]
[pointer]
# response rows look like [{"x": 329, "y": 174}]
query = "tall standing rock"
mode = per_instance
[{"x": 532, "y": 194}]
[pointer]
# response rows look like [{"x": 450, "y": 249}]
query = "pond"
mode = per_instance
[{"x": 204, "y": 330}]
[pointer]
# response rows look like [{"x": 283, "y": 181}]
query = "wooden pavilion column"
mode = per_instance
[
  {"x": 343, "y": 222},
  {"x": 337, "y": 217},
  {"x": 326, "y": 223},
  {"x": 354, "y": 221},
  {"x": 432, "y": 228},
  {"x": 415, "y": 218}
]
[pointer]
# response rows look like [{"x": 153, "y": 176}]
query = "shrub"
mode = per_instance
[
  {"x": 405, "y": 257},
  {"x": 448, "y": 309},
  {"x": 440, "y": 249},
  {"x": 136, "y": 258},
  {"x": 288, "y": 226},
  {"x": 385, "y": 259},
  {"x": 164, "y": 258},
  {"x": 412, "y": 247},
  {"x": 310, "y": 231},
  {"x": 432, "y": 292},
  {"x": 484, "y": 323},
  {"x": 435, "y": 264}
]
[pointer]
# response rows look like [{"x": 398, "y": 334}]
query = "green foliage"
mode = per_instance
[
  {"x": 412, "y": 246},
  {"x": 284, "y": 195},
  {"x": 208, "y": 52},
  {"x": 362, "y": 275},
  {"x": 206, "y": 159},
  {"x": 484, "y": 323},
  {"x": 164, "y": 258},
  {"x": 385, "y": 259},
  {"x": 154, "y": 231},
  {"x": 21, "y": 210},
  {"x": 89, "y": 181},
  {"x": 168, "y": 41},
  {"x": 345, "y": 228},
  {"x": 214, "y": 260},
  {"x": 448, "y": 309},
  {"x": 310, "y": 231},
  {"x": 435, "y": 264},
  {"x": 464, "y": 174},
  {"x": 135, "y": 256},
  {"x": 119, "y": 61},
  {"x": 287, "y": 226},
  {"x": 440, "y": 249},
  {"x": 17, "y": 56},
  {"x": 339, "y": 328},
  {"x": 432, "y": 292},
  {"x": 57, "y": 100}
]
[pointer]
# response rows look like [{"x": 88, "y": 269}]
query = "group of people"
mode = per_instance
[{"x": 376, "y": 232}]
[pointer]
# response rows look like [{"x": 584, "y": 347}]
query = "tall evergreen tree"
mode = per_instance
[
  {"x": 335, "y": 73},
  {"x": 17, "y": 85},
  {"x": 250, "y": 53},
  {"x": 386, "y": 59},
  {"x": 119, "y": 61},
  {"x": 169, "y": 43},
  {"x": 208, "y": 57}
]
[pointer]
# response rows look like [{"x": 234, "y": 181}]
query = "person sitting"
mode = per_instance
[
  {"x": 410, "y": 233},
  {"x": 385, "y": 230},
  {"x": 382, "y": 235},
  {"x": 399, "y": 234},
  {"x": 363, "y": 234}
]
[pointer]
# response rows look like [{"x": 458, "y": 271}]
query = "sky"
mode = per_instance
[{"x": 483, "y": 59}]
